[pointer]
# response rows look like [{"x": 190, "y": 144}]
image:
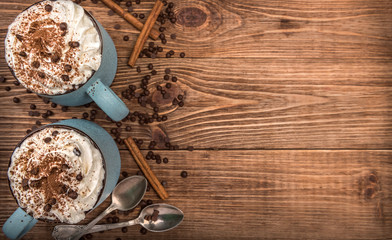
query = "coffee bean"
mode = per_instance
[
  {"x": 72, "y": 194},
  {"x": 149, "y": 202},
  {"x": 173, "y": 36},
  {"x": 55, "y": 133},
  {"x": 48, "y": 8},
  {"x": 77, "y": 152},
  {"x": 64, "y": 108},
  {"x": 110, "y": 12},
  {"x": 180, "y": 97},
  {"x": 35, "y": 171},
  {"x": 109, "y": 220},
  {"x": 128, "y": 128},
  {"x": 171, "y": 14},
  {"x": 118, "y": 124},
  {"x": 168, "y": 55},
  {"x": 35, "y": 64},
  {"x": 85, "y": 115},
  {"x": 164, "y": 118},
  {"x": 124, "y": 174},
  {"x": 154, "y": 72},
  {"x": 55, "y": 58},
  {"x": 89, "y": 235},
  {"x": 124, "y": 229},
  {"x": 28, "y": 131},
  {"x": 117, "y": 26},
  {"x": 181, "y": 104},
  {"x": 41, "y": 75},
  {"x": 65, "y": 78},
  {"x": 7, "y": 89},
  {"x": 135, "y": 15},
  {"x": 2, "y": 79},
  {"x": 182, "y": 54},
  {"x": 165, "y": 160},
  {"x": 163, "y": 21},
  {"x": 162, "y": 36},
  {"x": 164, "y": 41},
  {"x": 79, "y": 177},
  {"x": 159, "y": 87},
  {"x": 171, "y": 5},
  {"x": 125, "y": 38},
  {"x": 38, "y": 122},
  {"x": 158, "y": 161},
  {"x": 116, "y": 219},
  {"x": 175, "y": 101},
  {"x": 141, "y": 16},
  {"x": 74, "y": 44},
  {"x": 53, "y": 105},
  {"x": 49, "y": 113},
  {"x": 16, "y": 100},
  {"x": 23, "y": 54},
  {"x": 163, "y": 92},
  {"x": 184, "y": 174},
  {"x": 137, "y": 1},
  {"x": 171, "y": 52},
  {"x": 173, "y": 20},
  {"x": 47, "y": 206},
  {"x": 166, "y": 77},
  {"x": 52, "y": 201},
  {"x": 138, "y": 69},
  {"x": 63, "y": 26},
  {"x": 47, "y": 140},
  {"x": 128, "y": 3},
  {"x": 87, "y": 105},
  {"x": 150, "y": 66},
  {"x": 168, "y": 85}
]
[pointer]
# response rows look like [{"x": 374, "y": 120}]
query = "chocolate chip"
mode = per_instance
[
  {"x": 55, "y": 58},
  {"x": 63, "y": 26},
  {"x": 79, "y": 177},
  {"x": 52, "y": 201},
  {"x": 125, "y": 38},
  {"x": 41, "y": 75},
  {"x": 72, "y": 194},
  {"x": 25, "y": 184},
  {"x": 55, "y": 133},
  {"x": 16, "y": 100},
  {"x": 165, "y": 160},
  {"x": 77, "y": 152},
  {"x": 19, "y": 37},
  {"x": 182, "y": 54},
  {"x": 23, "y": 54},
  {"x": 124, "y": 229},
  {"x": 35, "y": 171},
  {"x": 47, "y": 206},
  {"x": 173, "y": 36},
  {"x": 67, "y": 67},
  {"x": 117, "y": 26},
  {"x": 74, "y": 44},
  {"x": 47, "y": 140},
  {"x": 184, "y": 174},
  {"x": 35, "y": 64},
  {"x": 48, "y": 8},
  {"x": 65, "y": 78}
]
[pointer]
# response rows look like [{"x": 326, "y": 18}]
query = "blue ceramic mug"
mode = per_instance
[
  {"x": 97, "y": 87},
  {"x": 19, "y": 223}
]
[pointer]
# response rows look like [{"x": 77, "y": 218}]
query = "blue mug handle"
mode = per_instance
[
  {"x": 18, "y": 224},
  {"x": 108, "y": 101}
]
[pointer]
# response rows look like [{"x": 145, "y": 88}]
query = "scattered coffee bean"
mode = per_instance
[
  {"x": 47, "y": 206},
  {"x": 150, "y": 66},
  {"x": 65, "y": 78},
  {"x": 53, "y": 105},
  {"x": 109, "y": 220},
  {"x": 74, "y": 44},
  {"x": 124, "y": 174},
  {"x": 168, "y": 85},
  {"x": 171, "y": 5},
  {"x": 143, "y": 231},
  {"x": 38, "y": 122},
  {"x": 164, "y": 118},
  {"x": 35, "y": 64},
  {"x": 182, "y": 54},
  {"x": 63, "y": 26},
  {"x": 158, "y": 161},
  {"x": 171, "y": 52},
  {"x": 181, "y": 104},
  {"x": 7, "y": 89},
  {"x": 165, "y": 160},
  {"x": 47, "y": 140},
  {"x": 180, "y": 97},
  {"x": 184, "y": 174},
  {"x": 77, "y": 152},
  {"x": 52, "y": 201},
  {"x": 117, "y": 26},
  {"x": 49, "y": 113},
  {"x": 173, "y": 20},
  {"x": 137, "y": 1},
  {"x": 48, "y": 8},
  {"x": 116, "y": 219},
  {"x": 149, "y": 202},
  {"x": 79, "y": 177},
  {"x": 135, "y": 15},
  {"x": 110, "y": 12},
  {"x": 124, "y": 229},
  {"x": 28, "y": 131},
  {"x": 72, "y": 194},
  {"x": 173, "y": 36},
  {"x": 141, "y": 16},
  {"x": 164, "y": 41},
  {"x": 162, "y": 29},
  {"x": 166, "y": 77},
  {"x": 16, "y": 100},
  {"x": 23, "y": 54},
  {"x": 168, "y": 55},
  {"x": 64, "y": 108},
  {"x": 85, "y": 115},
  {"x": 138, "y": 69},
  {"x": 154, "y": 72},
  {"x": 128, "y": 3},
  {"x": 128, "y": 128},
  {"x": 159, "y": 87},
  {"x": 118, "y": 124},
  {"x": 125, "y": 38},
  {"x": 87, "y": 105},
  {"x": 41, "y": 75}
]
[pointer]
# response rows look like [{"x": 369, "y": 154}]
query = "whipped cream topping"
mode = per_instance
[
  {"x": 53, "y": 47},
  {"x": 56, "y": 174}
]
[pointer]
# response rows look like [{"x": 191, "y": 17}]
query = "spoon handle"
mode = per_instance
[
  {"x": 104, "y": 227},
  {"x": 83, "y": 230}
]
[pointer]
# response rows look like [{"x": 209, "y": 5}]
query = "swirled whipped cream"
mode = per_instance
[
  {"x": 56, "y": 174},
  {"x": 53, "y": 47}
]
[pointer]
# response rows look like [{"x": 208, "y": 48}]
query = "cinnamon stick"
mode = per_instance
[
  {"x": 154, "y": 34},
  {"x": 143, "y": 165},
  {"x": 145, "y": 32}
]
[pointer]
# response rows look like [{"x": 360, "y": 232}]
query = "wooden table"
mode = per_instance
[{"x": 288, "y": 107}]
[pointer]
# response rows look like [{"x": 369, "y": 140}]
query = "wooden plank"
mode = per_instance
[
  {"x": 262, "y": 194},
  {"x": 253, "y": 105}
]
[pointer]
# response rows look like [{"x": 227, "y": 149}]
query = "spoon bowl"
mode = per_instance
[
  {"x": 169, "y": 217},
  {"x": 129, "y": 192}
]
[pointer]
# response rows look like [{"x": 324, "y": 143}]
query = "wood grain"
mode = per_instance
[
  {"x": 274, "y": 194},
  {"x": 287, "y": 103}
]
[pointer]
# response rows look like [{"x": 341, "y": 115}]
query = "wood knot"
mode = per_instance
[
  {"x": 191, "y": 17},
  {"x": 369, "y": 186},
  {"x": 288, "y": 24},
  {"x": 165, "y": 101},
  {"x": 159, "y": 136}
]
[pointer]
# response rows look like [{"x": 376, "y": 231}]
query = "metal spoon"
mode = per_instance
[
  {"x": 169, "y": 217},
  {"x": 125, "y": 196}
]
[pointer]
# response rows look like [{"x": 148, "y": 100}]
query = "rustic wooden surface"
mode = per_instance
[{"x": 288, "y": 108}]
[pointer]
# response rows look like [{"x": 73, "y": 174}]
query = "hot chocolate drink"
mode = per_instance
[
  {"x": 57, "y": 174},
  {"x": 53, "y": 47}
]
